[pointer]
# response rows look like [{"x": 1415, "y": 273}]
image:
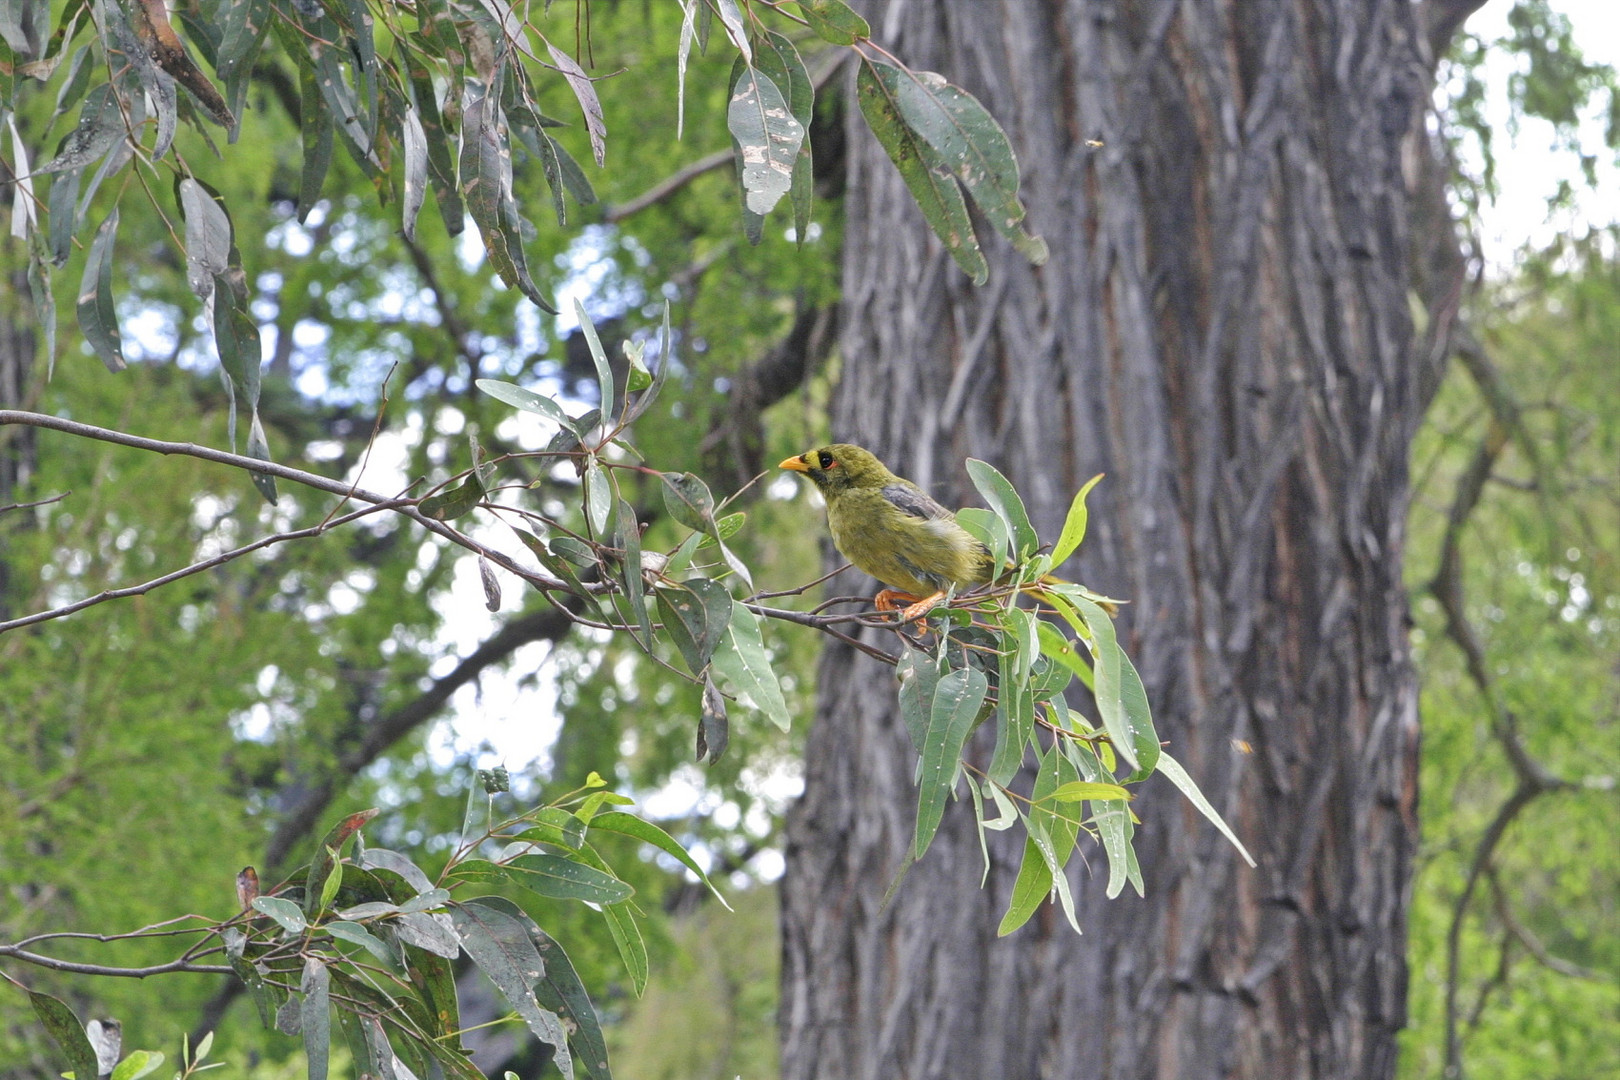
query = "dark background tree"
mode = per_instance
[{"x": 1240, "y": 200}]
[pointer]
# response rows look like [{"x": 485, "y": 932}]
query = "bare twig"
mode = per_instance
[
  {"x": 195, "y": 568},
  {"x": 54, "y": 964},
  {"x": 37, "y": 502}
]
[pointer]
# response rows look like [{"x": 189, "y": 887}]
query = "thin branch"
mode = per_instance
[
  {"x": 1524, "y": 936},
  {"x": 196, "y": 568},
  {"x": 54, "y": 964},
  {"x": 667, "y": 186},
  {"x": 37, "y": 502}
]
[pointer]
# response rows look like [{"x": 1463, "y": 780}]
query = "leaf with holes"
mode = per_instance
[{"x": 768, "y": 138}]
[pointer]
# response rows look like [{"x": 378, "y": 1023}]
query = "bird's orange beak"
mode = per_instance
[{"x": 797, "y": 464}]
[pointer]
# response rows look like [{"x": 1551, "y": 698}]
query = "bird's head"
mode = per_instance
[{"x": 840, "y": 467}]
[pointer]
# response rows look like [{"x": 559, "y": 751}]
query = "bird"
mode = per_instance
[{"x": 891, "y": 529}]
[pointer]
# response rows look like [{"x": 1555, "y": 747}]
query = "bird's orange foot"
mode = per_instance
[{"x": 914, "y": 609}]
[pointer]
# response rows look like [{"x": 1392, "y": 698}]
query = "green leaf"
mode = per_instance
[
  {"x": 1033, "y": 885},
  {"x": 1065, "y": 651},
  {"x": 768, "y": 139},
  {"x": 988, "y": 529},
  {"x": 1003, "y": 499},
  {"x": 645, "y": 831},
  {"x": 427, "y": 932},
  {"x": 454, "y": 502},
  {"x": 956, "y": 703},
  {"x": 1172, "y": 768},
  {"x": 101, "y": 127},
  {"x": 98, "y": 316},
  {"x": 334, "y": 882},
  {"x": 356, "y": 934},
  {"x": 695, "y": 614},
  {"x": 561, "y": 991},
  {"x": 376, "y": 858},
  {"x": 1114, "y": 827},
  {"x": 44, "y": 298},
  {"x": 833, "y": 21},
  {"x": 632, "y": 949},
  {"x": 316, "y": 1016},
  {"x": 741, "y": 658},
  {"x": 919, "y": 677},
  {"x": 959, "y": 136},
  {"x": 1080, "y": 790},
  {"x": 501, "y": 947},
  {"x": 1015, "y": 709},
  {"x": 688, "y": 501},
  {"x": 440, "y": 152},
  {"x": 136, "y": 1065},
  {"x": 598, "y": 497},
  {"x": 64, "y": 1028},
  {"x": 777, "y": 58},
  {"x": 316, "y": 135},
  {"x": 1107, "y": 670},
  {"x": 1139, "y": 719},
  {"x": 637, "y": 378},
  {"x": 551, "y": 875},
  {"x": 604, "y": 373},
  {"x": 731, "y": 19},
  {"x": 527, "y": 400},
  {"x": 644, "y": 402},
  {"x": 243, "y": 24},
  {"x": 937, "y": 195},
  {"x": 285, "y": 912},
  {"x": 326, "y": 855},
  {"x": 1074, "y": 525},
  {"x": 628, "y": 537}
]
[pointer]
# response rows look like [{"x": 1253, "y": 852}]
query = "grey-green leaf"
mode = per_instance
[
  {"x": 501, "y": 947},
  {"x": 961, "y": 136},
  {"x": 98, "y": 317},
  {"x": 956, "y": 703},
  {"x": 285, "y": 912},
  {"x": 741, "y": 658},
  {"x": 453, "y": 502},
  {"x": 1003, "y": 499},
  {"x": 65, "y": 1029},
  {"x": 695, "y": 614},
  {"x": 937, "y": 195},
  {"x": 565, "y": 879},
  {"x": 1172, "y": 768},
  {"x": 714, "y": 726},
  {"x": 688, "y": 500},
  {"x": 585, "y": 91},
  {"x": 316, "y": 1016},
  {"x": 834, "y": 21}
]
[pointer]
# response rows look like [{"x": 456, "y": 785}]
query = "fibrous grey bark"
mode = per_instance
[{"x": 1224, "y": 329}]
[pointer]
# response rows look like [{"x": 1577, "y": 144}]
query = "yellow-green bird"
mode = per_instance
[{"x": 891, "y": 529}]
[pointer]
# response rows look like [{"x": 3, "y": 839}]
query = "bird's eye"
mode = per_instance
[{"x": 826, "y": 460}]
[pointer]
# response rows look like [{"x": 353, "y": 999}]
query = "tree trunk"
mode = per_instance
[{"x": 1224, "y": 329}]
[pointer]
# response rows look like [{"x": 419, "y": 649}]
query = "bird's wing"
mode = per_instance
[{"x": 913, "y": 501}]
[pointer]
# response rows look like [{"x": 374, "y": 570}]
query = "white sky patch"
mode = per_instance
[{"x": 1527, "y": 169}]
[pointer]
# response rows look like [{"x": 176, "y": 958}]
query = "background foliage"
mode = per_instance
[{"x": 157, "y": 742}]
